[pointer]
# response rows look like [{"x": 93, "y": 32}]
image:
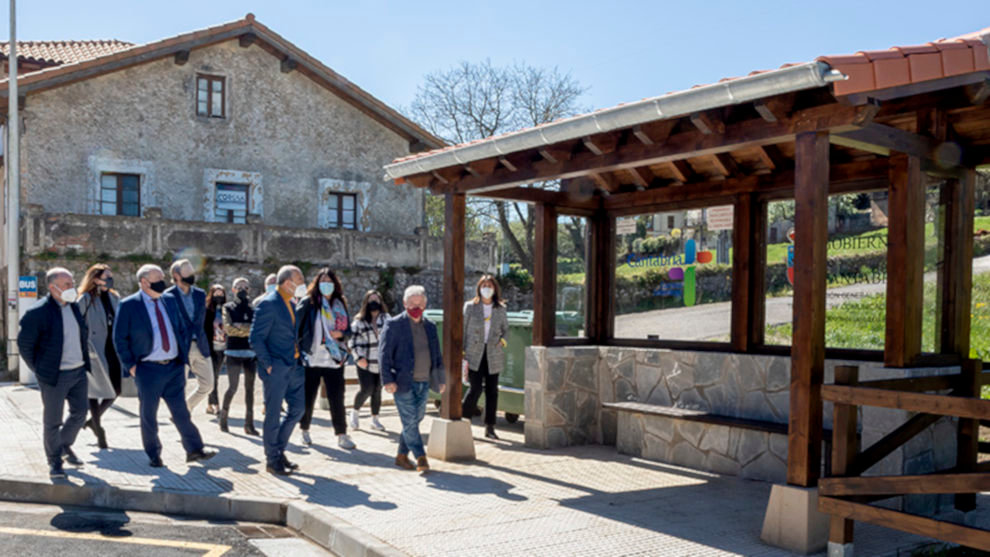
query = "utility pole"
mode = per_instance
[{"x": 12, "y": 160}]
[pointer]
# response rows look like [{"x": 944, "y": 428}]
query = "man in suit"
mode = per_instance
[
  {"x": 151, "y": 340},
  {"x": 273, "y": 339},
  {"x": 411, "y": 364},
  {"x": 52, "y": 340},
  {"x": 191, "y": 301}
]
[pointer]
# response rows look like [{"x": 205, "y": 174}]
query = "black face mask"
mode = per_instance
[
  {"x": 242, "y": 295},
  {"x": 190, "y": 280},
  {"x": 219, "y": 300},
  {"x": 158, "y": 286},
  {"x": 108, "y": 283},
  {"x": 374, "y": 306}
]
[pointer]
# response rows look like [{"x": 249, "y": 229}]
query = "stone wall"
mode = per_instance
[
  {"x": 566, "y": 386},
  {"x": 290, "y": 139}
]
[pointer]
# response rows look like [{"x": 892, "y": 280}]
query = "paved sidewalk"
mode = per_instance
[{"x": 511, "y": 501}]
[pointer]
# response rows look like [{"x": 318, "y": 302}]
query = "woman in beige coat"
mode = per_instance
[{"x": 485, "y": 325}]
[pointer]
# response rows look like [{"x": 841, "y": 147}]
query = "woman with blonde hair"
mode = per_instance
[
  {"x": 486, "y": 323},
  {"x": 98, "y": 304}
]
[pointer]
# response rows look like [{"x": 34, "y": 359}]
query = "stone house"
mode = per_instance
[{"x": 229, "y": 143}]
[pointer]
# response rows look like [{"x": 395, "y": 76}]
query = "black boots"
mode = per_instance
[
  {"x": 490, "y": 432},
  {"x": 223, "y": 420}
]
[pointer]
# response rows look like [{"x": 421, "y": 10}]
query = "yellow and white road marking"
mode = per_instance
[{"x": 212, "y": 550}]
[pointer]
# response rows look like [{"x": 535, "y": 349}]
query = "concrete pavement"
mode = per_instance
[{"x": 510, "y": 501}]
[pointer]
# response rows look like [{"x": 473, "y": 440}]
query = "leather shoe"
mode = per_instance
[
  {"x": 278, "y": 469},
  {"x": 288, "y": 464},
  {"x": 402, "y": 461},
  {"x": 55, "y": 471},
  {"x": 156, "y": 463},
  {"x": 249, "y": 429},
  {"x": 200, "y": 456},
  {"x": 490, "y": 433},
  {"x": 70, "y": 457},
  {"x": 422, "y": 465}
]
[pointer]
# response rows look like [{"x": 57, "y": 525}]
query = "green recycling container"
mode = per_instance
[{"x": 512, "y": 381}]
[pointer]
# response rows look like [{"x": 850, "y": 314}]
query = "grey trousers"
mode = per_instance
[{"x": 71, "y": 387}]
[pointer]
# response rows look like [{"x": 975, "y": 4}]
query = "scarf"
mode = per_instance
[{"x": 333, "y": 318}]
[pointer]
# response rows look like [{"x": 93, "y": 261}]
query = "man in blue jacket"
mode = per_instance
[
  {"x": 411, "y": 364},
  {"x": 152, "y": 343},
  {"x": 52, "y": 340},
  {"x": 191, "y": 301},
  {"x": 273, "y": 339}
]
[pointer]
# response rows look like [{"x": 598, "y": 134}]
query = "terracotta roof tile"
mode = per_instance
[
  {"x": 56, "y": 53},
  {"x": 880, "y": 69}
]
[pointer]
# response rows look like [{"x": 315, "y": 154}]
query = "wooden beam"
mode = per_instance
[
  {"x": 774, "y": 109},
  {"x": 287, "y": 65},
  {"x": 544, "y": 274},
  {"x": 906, "y": 254},
  {"x": 916, "y": 384},
  {"x": 642, "y": 176},
  {"x": 601, "y": 144},
  {"x": 181, "y": 57},
  {"x": 968, "y": 431},
  {"x": 453, "y": 302},
  {"x": 884, "y": 140},
  {"x": 563, "y": 199},
  {"x": 914, "y": 524},
  {"x": 844, "y": 449},
  {"x": 484, "y": 167},
  {"x": 978, "y": 93},
  {"x": 601, "y": 278},
  {"x": 904, "y": 485},
  {"x": 811, "y": 178},
  {"x": 247, "y": 39},
  {"x": 707, "y": 124},
  {"x": 554, "y": 155},
  {"x": 683, "y": 172},
  {"x": 890, "y": 442},
  {"x": 606, "y": 181},
  {"x": 725, "y": 164},
  {"x": 955, "y": 272},
  {"x": 742, "y": 230},
  {"x": 757, "y": 272},
  {"x": 679, "y": 146},
  {"x": 654, "y": 132},
  {"x": 507, "y": 164},
  {"x": 959, "y": 406}
]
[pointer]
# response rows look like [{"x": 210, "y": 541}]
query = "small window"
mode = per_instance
[
  {"x": 211, "y": 96},
  {"x": 670, "y": 222},
  {"x": 232, "y": 203},
  {"x": 343, "y": 211},
  {"x": 120, "y": 194}
]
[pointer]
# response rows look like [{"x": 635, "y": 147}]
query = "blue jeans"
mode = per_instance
[
  {"x": 411, "y": 405},
  {"x": 283, "y": 383},
  {"x": 155, "y": 383}
]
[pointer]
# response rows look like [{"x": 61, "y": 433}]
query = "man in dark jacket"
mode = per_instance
[
  {"x": 191, "y": 301},
  {"x": 52, "y": 340},
  {"x": 411, "y": 364},
  {"x": 273, "y": 339}
]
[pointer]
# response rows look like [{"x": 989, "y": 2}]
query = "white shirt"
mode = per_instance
[
  {"x": 157, "y": 353},
  {"x": 319, "y": 354},
  {"x": 487, "y": 309}
]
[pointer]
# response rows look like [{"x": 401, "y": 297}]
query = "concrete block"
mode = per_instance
[
  {"x": 258, "y": 509},
  {"x": 450, "y": 440},
  {"x": 793, "y": 522},
  {"x": 840, "y": 549}
]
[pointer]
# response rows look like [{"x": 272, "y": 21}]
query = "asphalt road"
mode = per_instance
[
  {"x": 712, "y": 321},
  {"x": 42, "y": 530}
]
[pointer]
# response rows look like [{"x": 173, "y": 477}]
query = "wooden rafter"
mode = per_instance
[
  {"x": 606, "y": 181},
  {"x": 642, "y": 176},
  {"x": 725, "y": 164},
  {"x": 774, "y": 109},
  {"x": 707, "y": 124},
  {"x": 654, "y": 132},
  {"x": 601, "y": 144},
  {"x": 683, "y": 172}
]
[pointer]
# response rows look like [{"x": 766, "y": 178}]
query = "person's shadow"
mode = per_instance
[
  {"x": 472, "y": 485},
  {"x": 107, "y": 523},
  {"x": 328, "y": 492}
]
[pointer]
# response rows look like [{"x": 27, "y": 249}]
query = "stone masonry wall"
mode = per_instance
[{"x": 563, "y": 409}]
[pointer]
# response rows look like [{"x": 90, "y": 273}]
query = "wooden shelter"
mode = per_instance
[{"x": 873, "y": 121}]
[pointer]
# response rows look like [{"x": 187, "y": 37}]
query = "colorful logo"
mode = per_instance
[{"x": 681, "y": 281}]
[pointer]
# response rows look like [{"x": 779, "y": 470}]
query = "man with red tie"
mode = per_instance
[{"x": 152, "y": 343}]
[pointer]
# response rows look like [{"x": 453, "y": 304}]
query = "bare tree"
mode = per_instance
[{"x": 475, "y": 101}]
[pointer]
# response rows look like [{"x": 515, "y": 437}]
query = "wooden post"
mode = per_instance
[
  {"x": 544, "y": 274},
  {"x": 748, "y": 273},
  {"x": 804, "y": 438},
  {"x": 955, "y": 273},
  {"x": 601, "y": 278},
  {"x": 453, "y": 302},
  {"x": 844, "y": 449},
  {"x": 968, "y": 431},
  {"x": 905, "y": 260}
]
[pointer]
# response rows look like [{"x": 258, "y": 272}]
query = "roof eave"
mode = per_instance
[{"x": 799, "y": 77}]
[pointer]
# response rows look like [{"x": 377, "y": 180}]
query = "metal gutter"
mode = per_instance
[{"x": 809, "y": 75}]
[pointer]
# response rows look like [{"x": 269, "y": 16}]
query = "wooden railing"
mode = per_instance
[{"x": 846, "y": 495}]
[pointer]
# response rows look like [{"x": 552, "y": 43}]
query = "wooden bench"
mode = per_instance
[{"x": 772, "y": 468}]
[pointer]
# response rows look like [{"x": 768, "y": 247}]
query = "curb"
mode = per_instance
[{"x": 309, "y": 519}]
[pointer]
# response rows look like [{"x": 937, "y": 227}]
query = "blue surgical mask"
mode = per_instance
[
  {"x": 270, "y": 288},
  {"x": 326, "y": 288}
]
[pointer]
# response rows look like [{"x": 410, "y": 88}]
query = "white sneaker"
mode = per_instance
[
  {"x": 307, "y": 440},
  {"x": 344, "y": 442},
  {"x": 376, "y": 425},
  {"x": 354, "y": 419}
]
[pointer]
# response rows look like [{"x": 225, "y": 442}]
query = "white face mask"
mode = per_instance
[
  {"x": 300, "y": 291},
  {"x": 487, "y": 292},
  {"x": 68, "y": 296}
]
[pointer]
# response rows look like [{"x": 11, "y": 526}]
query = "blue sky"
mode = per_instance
[{"x": 621, "y": 50}]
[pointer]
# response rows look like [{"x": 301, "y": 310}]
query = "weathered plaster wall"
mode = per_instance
[{"x": 289, "y": 137}]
